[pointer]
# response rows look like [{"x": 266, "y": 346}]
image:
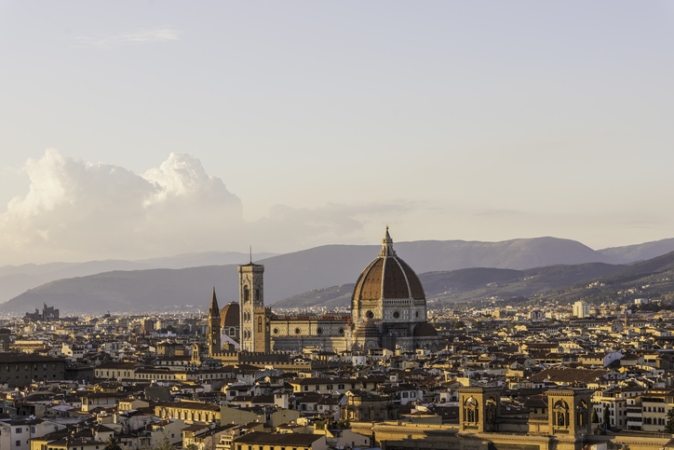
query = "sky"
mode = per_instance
[{"x": 134, "y": 129}]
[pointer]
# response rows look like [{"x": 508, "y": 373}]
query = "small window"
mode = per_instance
[{"x": 19, "y": 430}]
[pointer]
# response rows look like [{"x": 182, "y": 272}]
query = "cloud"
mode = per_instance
[
  {"x": 76, "y": 211},
  {"x": 139, "y": 37}
]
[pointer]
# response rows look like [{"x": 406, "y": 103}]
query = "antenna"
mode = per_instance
[{"x": 251, "y": 254}]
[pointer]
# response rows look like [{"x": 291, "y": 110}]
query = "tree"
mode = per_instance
[
  {"x": 595, "y": 416},
  {"x": 112, "y": 443},
  {"x": 606, "y": 417},
  {"x": 669, "y": 428}
]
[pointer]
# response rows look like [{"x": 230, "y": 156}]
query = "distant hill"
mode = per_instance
[
  {"x": 639, "y": 252},
  {"x": 289, "y": 274},
  {"x": 466, "y": 285},
  {"x": 17, "y": 279}
]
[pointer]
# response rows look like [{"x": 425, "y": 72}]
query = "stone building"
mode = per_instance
[
  {"x": 388, "y": 311},
  {"x": 559, "y": 420},
  {"x": 19, "y": 369}
]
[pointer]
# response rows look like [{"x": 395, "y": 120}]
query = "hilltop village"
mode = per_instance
[{"x": 390, "y": 374}]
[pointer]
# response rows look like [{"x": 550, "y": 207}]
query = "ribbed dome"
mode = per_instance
[
  {"x": 388, "y": 277},
  {"x": 229, "y": 315}
]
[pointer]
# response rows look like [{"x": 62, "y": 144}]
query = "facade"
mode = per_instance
[{"x": 18, "y": 370}]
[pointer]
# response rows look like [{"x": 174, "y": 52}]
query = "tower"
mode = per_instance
[
  {"x": 254, "y": 317},
  {"x": 569, "y": 411},
  {"x": 214, "y": 345},
  {"x": 479, "y": 409}
]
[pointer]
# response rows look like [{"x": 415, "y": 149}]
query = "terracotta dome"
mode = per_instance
[
  {"x": 229, "y": 315},
  {"x": 388, "y": 277}
]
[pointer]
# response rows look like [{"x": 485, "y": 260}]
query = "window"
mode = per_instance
[{"x": 19, "y": 430}]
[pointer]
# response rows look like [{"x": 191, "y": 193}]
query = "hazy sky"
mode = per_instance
[{"x": 137, "y": 129}]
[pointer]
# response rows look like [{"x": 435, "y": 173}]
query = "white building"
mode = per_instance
[{"x": 581, "y": 309}]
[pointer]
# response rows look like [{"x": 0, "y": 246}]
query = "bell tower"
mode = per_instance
[
  {"x": 254, "y": 317},
  {"x": 569, "y": 411},
  {"x": 214, "y": 344},
  {"x": 479, "y": 409}
]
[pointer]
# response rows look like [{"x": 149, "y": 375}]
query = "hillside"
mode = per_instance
[
  {"x": 17, "y": 279},
  {"x": 639, "y": 252},
  {"x": 286, "y": 275},
  {"x": 467, "y": 285}
]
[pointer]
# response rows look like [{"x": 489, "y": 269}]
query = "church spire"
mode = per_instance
[
  {"x": 215, "y": 310},
  {"x": 387, "y": 245}
]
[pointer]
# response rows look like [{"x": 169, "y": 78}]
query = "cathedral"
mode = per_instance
[{"x": 388, "y": 310}]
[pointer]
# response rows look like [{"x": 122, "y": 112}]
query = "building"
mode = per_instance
[
  {"x": 20, "y": 369},
  {"x": 48, "y": 314},
  {"x": 388, "y": 311},
  {"x": 253, "y": 316},
  {"x": 269, "y": 441},
  {"x": 581, "y": 309},
  {"x": 388, "y": 306},
  {"x": 214, "y": 343}
]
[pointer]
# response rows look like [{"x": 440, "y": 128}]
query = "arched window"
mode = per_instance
[
  {"x": 245, "y": 294},
  {"x": 257, "y": 295},
  {"x": 470, "y": 411},
  {"x": 561, "y": 414},
  {"x": 259, "y": 324},
  {"x": 581, "y": 414}
]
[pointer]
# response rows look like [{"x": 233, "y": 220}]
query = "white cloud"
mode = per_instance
[
  {"x": 139, "y": 37},
  {"x": 76, "y": 211}
]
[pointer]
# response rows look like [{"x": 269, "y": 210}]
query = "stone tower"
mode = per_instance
[
  {"x": 569, "y": 411},
  {"x": 479, "y": 409},
  {"x": 214, "y": 344},
  {"x": 254, "y": 317}
]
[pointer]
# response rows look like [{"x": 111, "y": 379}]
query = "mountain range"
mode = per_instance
[{"x": 141, "y": 286}]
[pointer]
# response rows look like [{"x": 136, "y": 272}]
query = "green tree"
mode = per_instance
[
  {"x": 112, "y": 443},
  {"x": 595, "y": 416},
  {"x": 607, "y": 417},
  {"x": 669, "y": 428}
]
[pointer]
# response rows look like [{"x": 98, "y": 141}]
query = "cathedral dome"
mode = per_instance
[
  {"x": 388, "y": 277},
  {"x": 229, "y": 315}
]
